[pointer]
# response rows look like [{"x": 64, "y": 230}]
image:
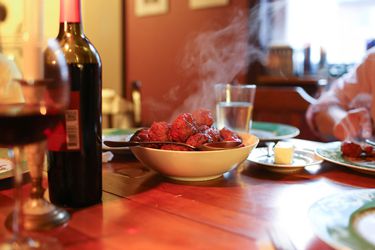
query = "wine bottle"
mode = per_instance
[{"x": 74, "y": 148}]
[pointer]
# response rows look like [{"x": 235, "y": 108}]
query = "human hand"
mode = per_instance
[{"x": 355, "y": 125}]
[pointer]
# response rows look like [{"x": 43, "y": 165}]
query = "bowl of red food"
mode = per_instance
[{"x": 181, "y": 163}]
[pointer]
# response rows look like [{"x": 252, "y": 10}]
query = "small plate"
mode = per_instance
[
  {"x": 301, "y": 159},
  {"x": 267, "y": 131},
  {"x": 5, "y": 168},
  {"x": 332, "y": 152},
  {"x": 6, "y": 165},
  {"x": 346, "y": 220}
]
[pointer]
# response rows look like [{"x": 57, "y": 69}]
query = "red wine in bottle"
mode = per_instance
[{"x": 74, "y": 150}]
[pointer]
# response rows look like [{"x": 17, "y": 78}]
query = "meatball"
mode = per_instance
[
  {"x": 140, "y": 135},
  {"x": 203, "y": 117},
  {"x": 198, "y": 139},
  {"x": 202, "y": 128},
  {"x": 159, "y": 131},
  {"x": 228, "y": 135},
  {"x": 351, "y": 149},
  {"x": 368, "y": 150},
  {"x": 213, "y": 133},
  {"x": 183, "y": 127}
]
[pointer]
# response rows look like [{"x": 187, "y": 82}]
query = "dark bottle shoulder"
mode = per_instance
[{"x": 77, "y": 49}]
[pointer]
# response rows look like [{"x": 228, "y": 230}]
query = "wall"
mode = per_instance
[
  {"x": 156, "y": 48},
  {"x": 104, "y": 32}
]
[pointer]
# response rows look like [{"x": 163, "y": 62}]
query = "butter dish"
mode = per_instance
[{"x": 301, "y": 158}]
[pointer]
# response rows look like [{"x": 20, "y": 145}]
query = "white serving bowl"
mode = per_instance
[{"x": 195, "y": 165}]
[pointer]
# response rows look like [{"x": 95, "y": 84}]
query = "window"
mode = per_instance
[{"x": 341, "y": 27}]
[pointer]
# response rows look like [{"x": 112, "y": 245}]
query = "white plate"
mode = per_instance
[
  {"x": 116, "y": 134},
  {"x": 346, "y": 220},
  {"x": 332, "y": 152},
  {"x": 301, "y": 159},
  {"x": 5, "y": 168}
]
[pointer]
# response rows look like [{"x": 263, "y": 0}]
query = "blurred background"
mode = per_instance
[{"x": 161, "y": 57}]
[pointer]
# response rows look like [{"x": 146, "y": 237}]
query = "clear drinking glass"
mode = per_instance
[
  {"x": 234, "y": 106},
  {"x": 29, "y": 108}
]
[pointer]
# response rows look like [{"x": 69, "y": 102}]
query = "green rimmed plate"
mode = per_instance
[
  {"x": 332, "y": 152},
  {"x": 6, "y": 165},
  {"x": 117, "y": 134},
  {"x": 267, "y": 131},
  {"x": 5, "y": 169},
  {"x": 346, "y": 220}
]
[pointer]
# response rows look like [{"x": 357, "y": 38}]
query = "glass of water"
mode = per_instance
[{"x": 234, "y": 106}]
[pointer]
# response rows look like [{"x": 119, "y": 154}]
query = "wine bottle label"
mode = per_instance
[
  {"x": 66, "y": 135},
  {"x": 72, "y": 129}
]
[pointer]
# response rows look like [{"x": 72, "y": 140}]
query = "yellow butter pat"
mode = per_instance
[{"x": 283, "y": 152}]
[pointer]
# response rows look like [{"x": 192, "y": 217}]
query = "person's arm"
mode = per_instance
[
  {"x": 354, "y": 124},
  {"x": 343, "y": 112},
  {"x": 326, "y": 118}
]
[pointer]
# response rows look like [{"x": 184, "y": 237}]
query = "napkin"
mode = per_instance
[{"x": 107, "y": 156}]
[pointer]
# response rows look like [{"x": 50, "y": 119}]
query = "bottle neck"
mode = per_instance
[
  {"x": 75, "y": 29},
  {"x": 70, "y": 11},
  {"x": 70, "y": 17}
]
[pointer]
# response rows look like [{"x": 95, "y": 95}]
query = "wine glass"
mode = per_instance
[
  {"x": 38, "y": 213},
  {"x": 26, "y": 119}
]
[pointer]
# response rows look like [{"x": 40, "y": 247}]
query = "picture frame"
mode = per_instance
[
  {"x": 13, "y": 23},
  {"x": 151, "y": 7},
  {"x": 201, "y": 4},
  {"x": 11, "y": 28}
]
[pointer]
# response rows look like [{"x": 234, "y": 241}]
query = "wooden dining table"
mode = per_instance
[{"x": 142, "y": 209}]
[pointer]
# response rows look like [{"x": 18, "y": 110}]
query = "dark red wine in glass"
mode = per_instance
[{"x": 22, "y": 124}]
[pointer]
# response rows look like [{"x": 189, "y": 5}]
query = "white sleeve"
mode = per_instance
[{"x": 351, "y": 91}]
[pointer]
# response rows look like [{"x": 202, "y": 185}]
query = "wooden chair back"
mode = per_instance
[{"x": 286, "y": 105}]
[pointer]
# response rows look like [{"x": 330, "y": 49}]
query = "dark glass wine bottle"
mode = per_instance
[{"x": 74, "y": 148}]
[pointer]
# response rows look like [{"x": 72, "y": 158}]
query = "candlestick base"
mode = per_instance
[{"x": 47, "y": 216}]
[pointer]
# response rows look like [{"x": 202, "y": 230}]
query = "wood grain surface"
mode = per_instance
[{"x": 144, "y": 210}]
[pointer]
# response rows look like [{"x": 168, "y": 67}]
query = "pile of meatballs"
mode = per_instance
[{"x": 195, "y": 128}]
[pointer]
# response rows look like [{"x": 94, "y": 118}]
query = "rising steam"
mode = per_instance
[{"x": 219, "y": 56}]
